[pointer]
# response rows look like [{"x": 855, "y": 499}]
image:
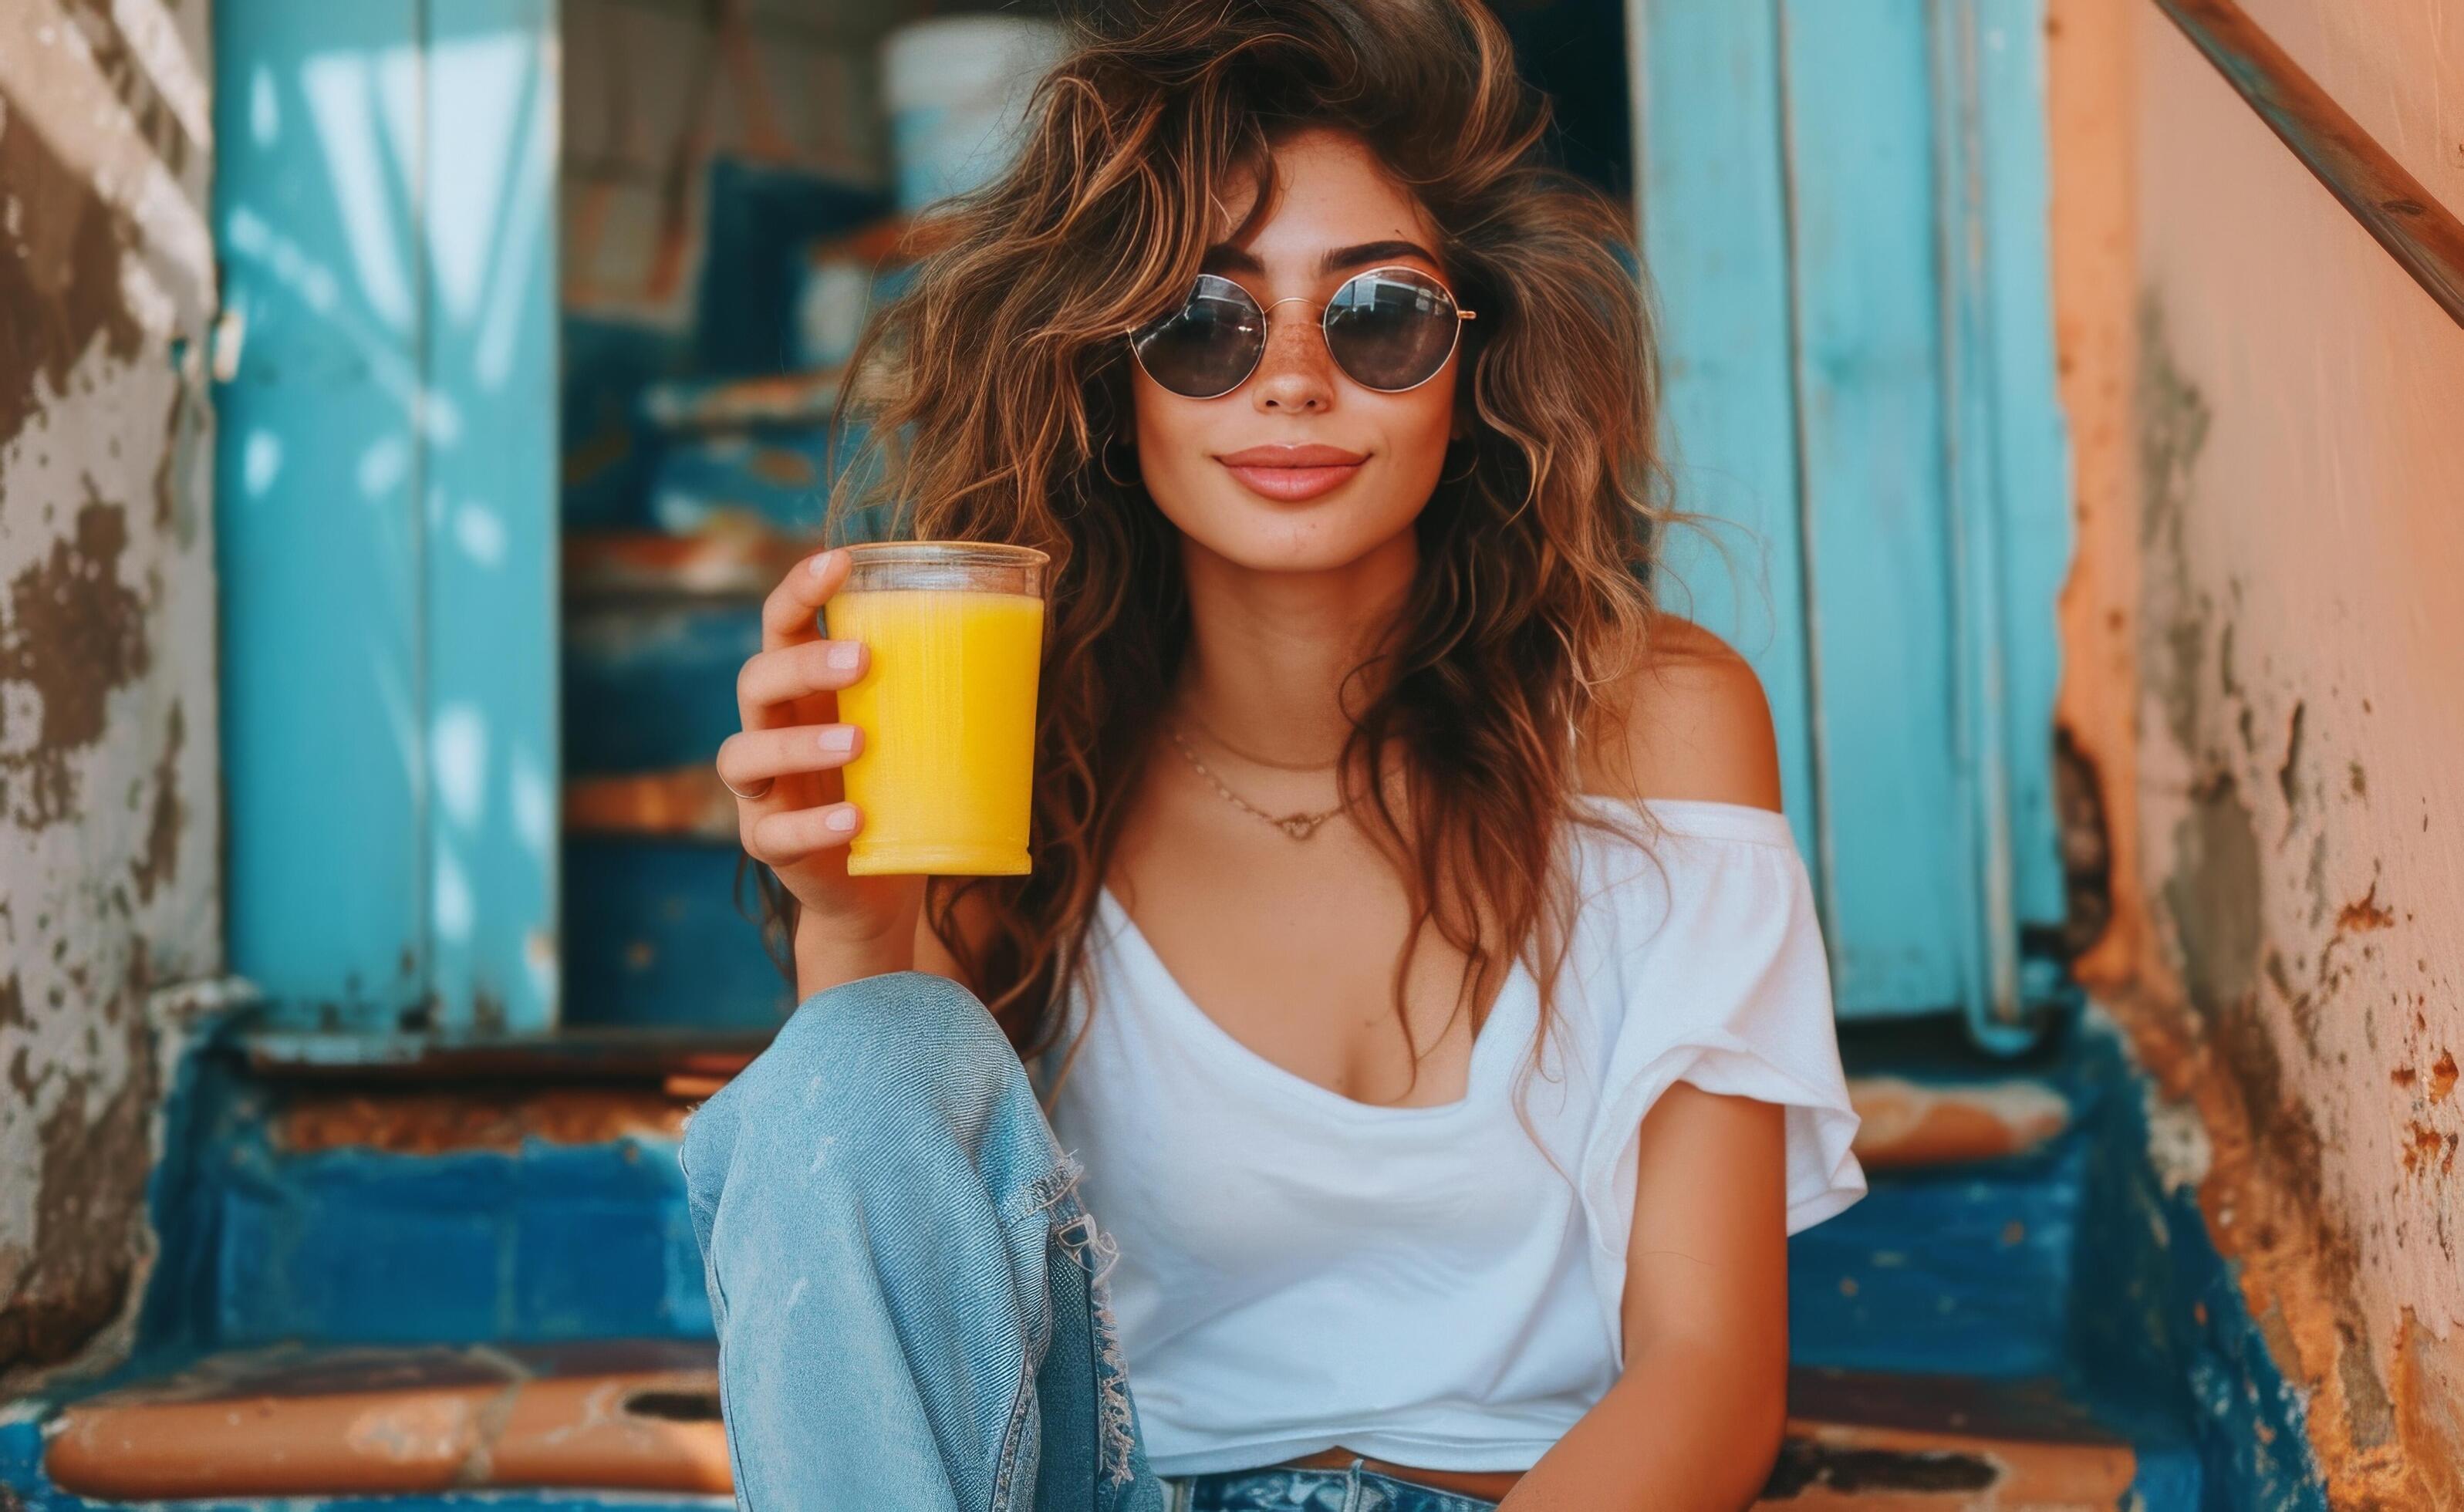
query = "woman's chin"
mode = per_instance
[{"x": 1297, "y": 539}]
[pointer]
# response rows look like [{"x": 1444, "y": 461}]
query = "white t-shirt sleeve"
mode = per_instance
[{"x": 1717, "y": 977}]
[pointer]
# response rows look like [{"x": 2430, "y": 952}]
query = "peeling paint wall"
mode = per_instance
[
  {"x": 2261, "y": 643},
  {"x": 109, "y": 806}
]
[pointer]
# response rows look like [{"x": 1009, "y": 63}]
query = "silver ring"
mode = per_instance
[{"x": 767, "y": 783}]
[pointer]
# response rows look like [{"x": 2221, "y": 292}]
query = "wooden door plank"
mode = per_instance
[
  {"x": 1989, "y": 965},
  {"x": 317, "y": 539},
  {"x": 2032, "y": 474},
  {"x": 1713, "y": 207},
  {"x": 1858, "y": 92},
  {"x": 490, "y": 600},
  {"x": 2008, "y": 502}
]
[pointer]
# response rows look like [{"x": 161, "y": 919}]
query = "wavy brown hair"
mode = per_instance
[{"x": 996, "y": 390}]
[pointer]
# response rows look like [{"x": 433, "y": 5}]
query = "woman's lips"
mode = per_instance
[
  {"x": 1290, "y": 471},
  {"x": 1292, "y": 484}
]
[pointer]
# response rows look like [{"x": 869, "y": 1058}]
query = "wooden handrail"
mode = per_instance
[{"x": 2418, "y": 232}]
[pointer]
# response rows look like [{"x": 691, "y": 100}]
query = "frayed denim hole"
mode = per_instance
[
  {"x": 1096, "y": 1252},
  {"x": 1045, "y": 1191},
  {"x": 1074, "y": 1229},
  {"x": 1045, "y": 1199}
]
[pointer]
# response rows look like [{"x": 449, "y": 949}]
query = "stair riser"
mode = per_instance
[
  {"x": 1941, "y": 1274},
  {"x": 553, "y": 1243},
  {"x": 651, "y": 687},
  {"x": 653, "y": 935},
  {"x": 1963, "y": 1272}
]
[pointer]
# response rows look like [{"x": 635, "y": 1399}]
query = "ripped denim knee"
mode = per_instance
[
  {"x": 1096, "y": 1250},
  {"x": 1091, "y": 1254}
]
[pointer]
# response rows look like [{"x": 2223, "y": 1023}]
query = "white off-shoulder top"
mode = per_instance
[{"x": 1299, "y": 1270}]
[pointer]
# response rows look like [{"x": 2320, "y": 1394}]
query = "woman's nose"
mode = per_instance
[{"x": 1296, "y": 375}]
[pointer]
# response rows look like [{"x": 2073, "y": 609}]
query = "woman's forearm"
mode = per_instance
[
  {"x": 1679, "y": 1432},
  {"x": 827, "y": 956}
]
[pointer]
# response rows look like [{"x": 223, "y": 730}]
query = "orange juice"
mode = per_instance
[{"x": 947, "y": 708}]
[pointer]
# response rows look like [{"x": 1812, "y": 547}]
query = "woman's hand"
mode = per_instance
[{"x": 789, "y": 756}]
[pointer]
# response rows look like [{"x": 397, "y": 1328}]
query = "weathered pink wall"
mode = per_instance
[
  {"x": 2266, "y": 654},
  {"x": 110, "y": 902}
]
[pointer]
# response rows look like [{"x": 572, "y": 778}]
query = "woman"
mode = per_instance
[{"x": 1419, "y": 979}]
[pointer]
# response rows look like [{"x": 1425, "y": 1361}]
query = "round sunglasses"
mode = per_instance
[{"x": 1389, "y": 329}]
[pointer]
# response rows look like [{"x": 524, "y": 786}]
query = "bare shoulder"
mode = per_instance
[{"x": 1690, "y": 721}]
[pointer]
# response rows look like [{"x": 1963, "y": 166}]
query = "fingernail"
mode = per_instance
[
  {"x": 845, "y": 654},
  {"x": 838, "y": 738},
  {"x": 842, "y": 817},
  {"x": 823, "y": 563}
]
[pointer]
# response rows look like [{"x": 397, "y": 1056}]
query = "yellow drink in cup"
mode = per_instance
[{"x": 947, "y": 705}]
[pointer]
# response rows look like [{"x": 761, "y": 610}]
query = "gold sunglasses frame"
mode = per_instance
[{"x": 1266, "y": 314}]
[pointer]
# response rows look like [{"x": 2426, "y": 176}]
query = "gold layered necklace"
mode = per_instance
[{"x": 1298, "y": 826}]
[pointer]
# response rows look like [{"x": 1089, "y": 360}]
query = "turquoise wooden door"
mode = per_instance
[
  {"x": 1844, "y": 206},
  {"x": 384, "y": 206}
]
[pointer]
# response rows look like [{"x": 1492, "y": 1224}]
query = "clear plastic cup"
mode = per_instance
[{"x": 947, "y": 705}]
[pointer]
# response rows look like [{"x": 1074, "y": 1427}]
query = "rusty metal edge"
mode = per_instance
[{"x": 2420, "y": 234}]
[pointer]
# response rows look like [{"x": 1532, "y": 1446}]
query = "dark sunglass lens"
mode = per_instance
[
  {"x": 1391, "y": 330},
  {"x": 1208, "y": 346}
]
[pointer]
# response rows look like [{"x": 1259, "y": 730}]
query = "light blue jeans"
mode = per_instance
[{"x": 909, "y": 1294}]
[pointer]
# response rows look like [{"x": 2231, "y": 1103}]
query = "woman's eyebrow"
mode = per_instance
[
  {"x": 1367, "y": 252},
  {"x": 1224, "y": 258}
]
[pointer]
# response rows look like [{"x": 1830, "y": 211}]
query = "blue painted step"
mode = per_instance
[
  {"x": 747, "y": 451},
  {"x": 1962, "y": 1272},
  {"x": 547, "y": 1243},
  {"x": 2061, "y": 1270},
  {"x": 1953, "y": 1272},
  {"x": 660, "y": 931},
  {"x": 653, "y": 686}
]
